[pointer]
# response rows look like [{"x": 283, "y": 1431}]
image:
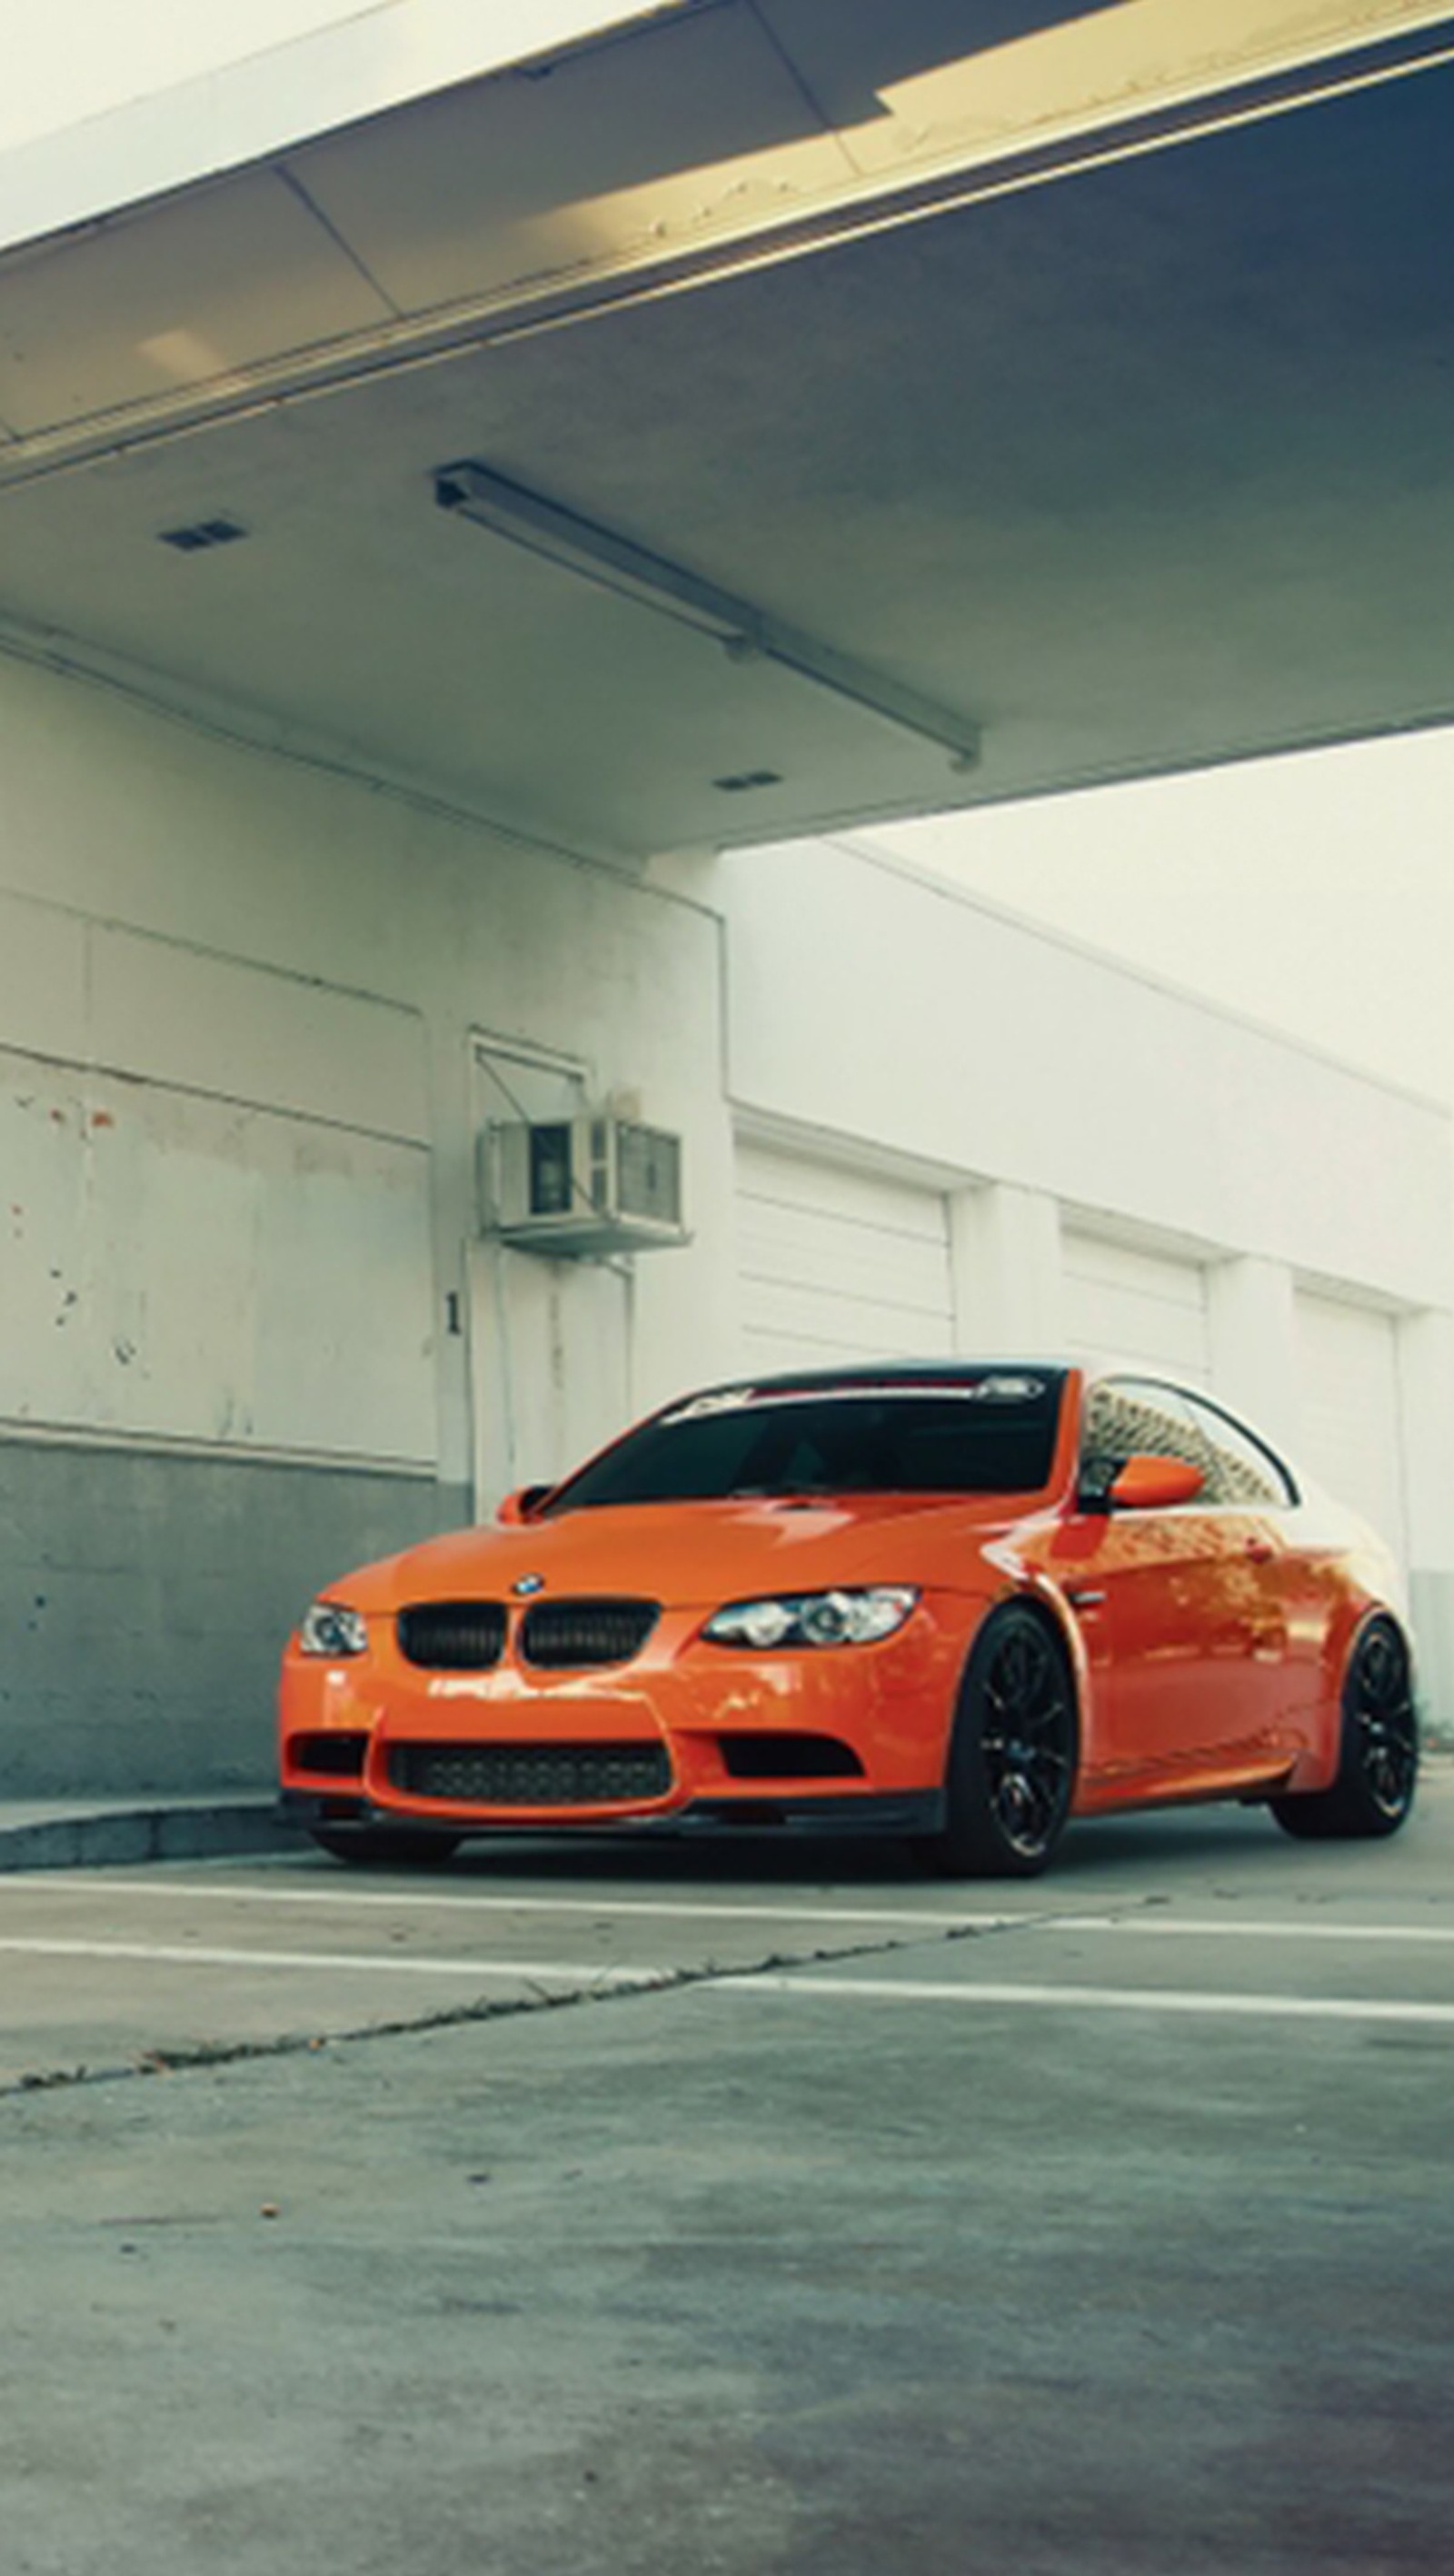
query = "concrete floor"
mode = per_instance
[{"x": 1115, "y": 2236}]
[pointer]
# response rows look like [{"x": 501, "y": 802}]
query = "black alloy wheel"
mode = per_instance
[
  {"x": 1013, "y": 1753},
  {"x": 1379, "y": 1767},
  {"x": 384, "y": 1846}
]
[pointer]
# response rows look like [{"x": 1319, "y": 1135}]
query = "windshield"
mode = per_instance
[{"x": 992, "y": 1434}]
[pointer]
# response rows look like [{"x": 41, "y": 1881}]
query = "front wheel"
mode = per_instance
[
  {"x": 1379, "y": 1762},
  {"x": 390, "y": 1846},
  {"x": 1012, "y": 1755}
]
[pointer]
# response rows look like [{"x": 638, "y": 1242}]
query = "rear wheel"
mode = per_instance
[
  {"x": 387, "y": 1846},
  {"x": 1012, "y": 1756},
  {"x": 1379, "y": 1763}
]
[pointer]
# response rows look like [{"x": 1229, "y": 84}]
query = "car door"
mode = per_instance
[
  {"x": 1179, "y": 1627},
  {"x": 1297, "y": 1591}
]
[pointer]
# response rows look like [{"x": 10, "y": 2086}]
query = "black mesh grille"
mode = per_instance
[
  {"x": 586, "y": 1632},
  {"x": 453, "y": 1636},
  {"x": 531, "y": 1775}
]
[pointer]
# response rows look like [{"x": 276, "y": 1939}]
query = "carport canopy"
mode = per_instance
[{"x": 768, "y": 414}]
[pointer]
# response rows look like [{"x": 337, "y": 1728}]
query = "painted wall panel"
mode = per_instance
[
  {"x": 43, "y": 979},
  {"x": 182, "y": 1266},
  {"x": 216, "y": 1024}
]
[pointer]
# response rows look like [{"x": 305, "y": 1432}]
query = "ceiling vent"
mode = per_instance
[
  {"x": 584, "y": 1186},
  {"x": 202, "y": 534}
]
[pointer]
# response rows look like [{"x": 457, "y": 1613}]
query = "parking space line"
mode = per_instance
[
  {"x": 1143, "y": 1999},
  {"x": 194, "y": 1955},
  {"x": 801, "y": 1983},
  {"x": 1139, "y": 1917},
  {"x": 672, "y": 1909},
  {"x": 1215, "y": 1928}
]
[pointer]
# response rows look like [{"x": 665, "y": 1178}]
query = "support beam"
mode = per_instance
[
  {"x": 1004, "y": 1250},
  {"x": 1252, "y": 1333}
]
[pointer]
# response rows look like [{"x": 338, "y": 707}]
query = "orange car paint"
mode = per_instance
[{"x": 1158, "y": 1609}]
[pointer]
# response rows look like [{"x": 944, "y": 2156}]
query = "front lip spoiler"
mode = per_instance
[{"x": 904, "y": 1811}]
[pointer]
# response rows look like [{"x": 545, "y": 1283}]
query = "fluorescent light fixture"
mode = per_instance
[{"x": 745, "y": 633}]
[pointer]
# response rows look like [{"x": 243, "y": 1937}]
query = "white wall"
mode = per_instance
[
  {"x": 872, "y": 1001},
  {"x": 1120, "y": 1166},
  {"x": 186, "y": 1267},
  {"x": 215, "y": 921}
]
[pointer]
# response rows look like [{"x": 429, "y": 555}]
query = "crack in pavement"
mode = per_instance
[{"x": 191, "y": 2057}]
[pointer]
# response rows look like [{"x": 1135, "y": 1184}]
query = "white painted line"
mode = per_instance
[
  {"x": 1145, "y": 1999},
  {"x": 193, "y": 1955},
  {"x": 1206, "y": 1928},
  {"x": 68, "y": 1883},
  {"x": 688, "y": 1909}
]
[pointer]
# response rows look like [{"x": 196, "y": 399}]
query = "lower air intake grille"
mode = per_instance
[
  {"x": 531, "y": 1775},
  {"x": 453, "y": 1636},
  {"x": 331, "y": 1757},
  {"x": 586, "y": 1632},
  {"x": 764, "y": 1756}
]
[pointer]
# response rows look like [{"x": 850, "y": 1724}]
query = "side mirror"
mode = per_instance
[
  {"x": 522, "y": 1505},
  {"x": 1150, "y": 1484}
]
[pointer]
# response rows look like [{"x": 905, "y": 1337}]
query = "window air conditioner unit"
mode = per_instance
[{"x": 594, "y": 1184}]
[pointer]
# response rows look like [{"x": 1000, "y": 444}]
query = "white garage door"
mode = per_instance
[
  {"x": 1348, "y": 1367},
  {"x": 1135, "y": 1305},
  {"x": 838, "y": 1265}
]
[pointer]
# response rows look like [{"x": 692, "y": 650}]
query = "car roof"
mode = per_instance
[{"x": 957, "y": 1369}]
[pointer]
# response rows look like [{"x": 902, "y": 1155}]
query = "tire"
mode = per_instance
[
  {"x": 1012, "y": 1756},
  {"x": 1379, "y": 1761},
  {"x": 385, "y": 1846}
]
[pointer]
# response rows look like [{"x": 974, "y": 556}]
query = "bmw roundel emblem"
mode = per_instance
[{"x": 529, "y": 1583}]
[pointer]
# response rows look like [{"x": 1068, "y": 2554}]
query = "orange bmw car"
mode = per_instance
[{"x": 958, "y": 1602}]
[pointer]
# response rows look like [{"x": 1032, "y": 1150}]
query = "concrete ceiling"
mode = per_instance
[{"x": 1097, "y": 386}]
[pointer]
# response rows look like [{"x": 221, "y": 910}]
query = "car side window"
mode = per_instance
[
  {"x": 1126, "y": 1417},
  {"x": 1237, "y": 1467}
]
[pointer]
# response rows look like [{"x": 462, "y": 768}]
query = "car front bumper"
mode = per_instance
[{"x": 686, "y": 1734}]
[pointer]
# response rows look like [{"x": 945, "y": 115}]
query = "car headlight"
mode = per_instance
[
  {"x": 328, "y": 1629},
  {"x": 814, "y": 1618}
]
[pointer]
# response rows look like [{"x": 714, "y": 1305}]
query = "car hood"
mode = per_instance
[{"x": 695, "y": 1555}]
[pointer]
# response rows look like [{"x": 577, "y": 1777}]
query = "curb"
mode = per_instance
[{"x": 110, "y": 1838}]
